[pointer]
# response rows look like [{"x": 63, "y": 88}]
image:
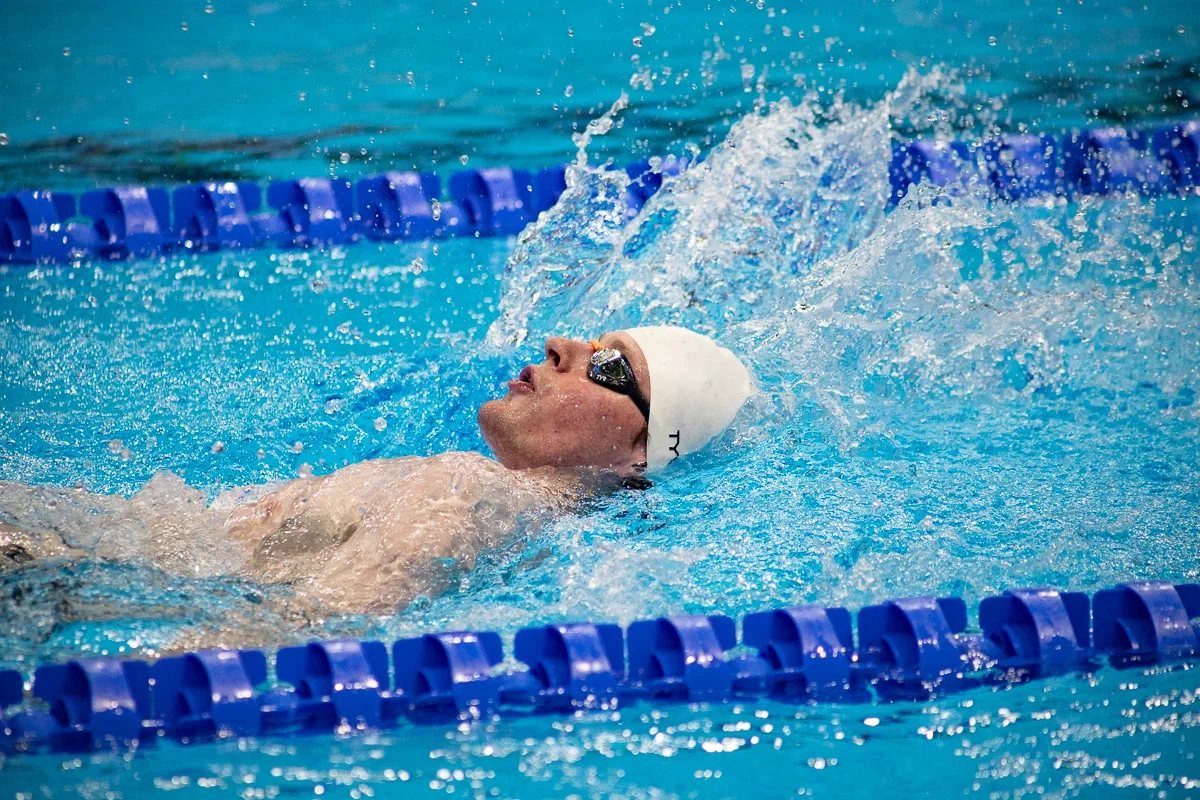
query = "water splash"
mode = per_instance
[{"x": 958, "y": 395}]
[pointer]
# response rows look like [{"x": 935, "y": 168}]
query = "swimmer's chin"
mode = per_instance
[{"x": 491, "y": 421}]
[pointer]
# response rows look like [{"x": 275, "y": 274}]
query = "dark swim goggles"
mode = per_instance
[{"x": 612, "y": 370}]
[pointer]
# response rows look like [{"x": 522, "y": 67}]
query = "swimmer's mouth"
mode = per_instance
[{"x": 524, "y": 381}]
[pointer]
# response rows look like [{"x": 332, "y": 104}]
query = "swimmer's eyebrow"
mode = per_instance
[{"x": 616, "y": 338}]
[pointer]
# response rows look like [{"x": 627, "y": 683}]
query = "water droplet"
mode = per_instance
[
  {"x": 208, "y": 9},
  {"x": 298, "y": 447},
  {"x": 344, "y": 158},
  {"x": 570, "y": 90},
  {"x": 125, "y": 454},
  {"x": 463, "y": 159},
  {"x": 129, "y": 79},
  {"x": 305, "y": 470},
  {"x": 183, "y": 25},
  {"x": 648, "y": 29},
  {"x": 115, "y": 445},
  {"x": 1180, "y": 29},
  {"x": 303, "y": 96},
  {"x": 66, "y": 51},
  {"x": 570, "y": 32},
  {"x": 637, "y": 41},
  {"x": 260, "y": 453},
  {"x": 380, "y": 424},
  {"x": 217, "y": 447},
  {"x": 992, "y": 41},
  {"x": 3, "y": 139},
  {"x": 371, "y": 63}
]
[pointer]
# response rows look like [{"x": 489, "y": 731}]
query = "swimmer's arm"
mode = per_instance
[{"x": 19, "y": 547}]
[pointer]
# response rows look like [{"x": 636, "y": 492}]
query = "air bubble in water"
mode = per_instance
[
  {"x": 217, "y": 447},
  {"x": 648, "y": 29},
  {"x": 463, "y": 159},
  {"x": 115, "y": 445},
  {"x": 66, "y": 51},
  {"x": 208, "y": 9},
  {"x": 183, "y": 25},
  {"x": 344, "y": 158},
  {"x": 570, "y": 90},
  {"x": 637, "y": 41},
  {"x": 298, "y": 447},
  {"x": 380, "y": 424},
  {"x": 303, "y": 96},
  {"x": 305, "y": 470},
  {"x": 3, "y": 139},
  {"x": 992, "y": 41}
]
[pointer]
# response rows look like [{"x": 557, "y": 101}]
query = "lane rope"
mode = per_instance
[
  {"x": 138, "y": 221},
  {"x": 911, "y": 648}
]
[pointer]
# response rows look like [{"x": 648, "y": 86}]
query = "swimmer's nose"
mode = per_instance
[{"x": 565, "y": 353}]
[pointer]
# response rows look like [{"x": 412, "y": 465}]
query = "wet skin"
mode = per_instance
[
  {"x": 372, "y": 536},
  {"x": 554, "y": 415}
]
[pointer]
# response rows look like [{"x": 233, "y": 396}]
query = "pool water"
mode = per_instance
[{"x": 958, "y": 396}]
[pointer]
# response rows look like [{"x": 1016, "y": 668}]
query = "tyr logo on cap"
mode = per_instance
[{"x": 675, "y": 447}]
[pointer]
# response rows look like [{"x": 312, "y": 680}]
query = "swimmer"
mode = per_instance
[{"x": 372, "y": 536}]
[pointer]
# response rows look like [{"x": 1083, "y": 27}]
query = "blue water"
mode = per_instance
[
  {"x": 177, "y": 91},
  {"x": 959, "y": 396}
]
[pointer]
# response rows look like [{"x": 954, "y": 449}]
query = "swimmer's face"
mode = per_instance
[{"x": 554, "y": 415}]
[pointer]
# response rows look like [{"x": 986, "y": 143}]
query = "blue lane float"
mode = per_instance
[
  {"x": 907, "y": 648},
  {"x": 447, "y": 675},
  {"x": 216, "y": 216},
  {"x": 1147, "y": 622},
  {"x": 806, "y": 652},
  {"x": 331, "y": 682},
  {"x": 570, "y": 665},
  {"x": 1037, "y": 630},
  {"x": 210, "y": 691},
  {"x": 128, "y": 221},
  {"x": 135, "y": 221}
]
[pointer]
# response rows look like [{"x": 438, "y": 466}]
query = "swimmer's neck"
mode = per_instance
[{"x": 575, "y": 481}]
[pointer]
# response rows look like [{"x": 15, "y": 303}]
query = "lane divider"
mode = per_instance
[
  {"x": 911, "y": 648},
  {"x": 136, "y": 221}
]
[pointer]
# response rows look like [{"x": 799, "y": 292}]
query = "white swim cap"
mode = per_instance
[{"x": 696, "y": 389}]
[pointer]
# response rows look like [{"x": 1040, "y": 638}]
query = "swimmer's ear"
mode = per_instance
[{"x": 639, "y": 449}]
